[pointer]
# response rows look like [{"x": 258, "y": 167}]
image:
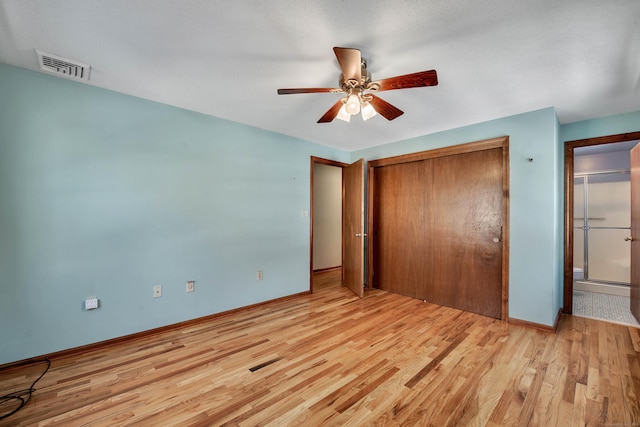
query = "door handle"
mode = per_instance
[
  {"x": 361, "y": 234},
  {"x": 629, "y": 239}
]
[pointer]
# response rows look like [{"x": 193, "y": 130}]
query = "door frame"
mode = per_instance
[
  {"x": 487, "y": 144},
  {"x": 328, "y": 162},
  {"x": 569, "y": 147},
  {"x": 634, "y": 250}
]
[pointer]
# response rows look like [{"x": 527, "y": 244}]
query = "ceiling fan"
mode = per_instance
[{"x": 355, "y": 82}]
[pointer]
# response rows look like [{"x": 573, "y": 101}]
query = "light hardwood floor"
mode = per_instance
[{"x": 333, "y": 359}]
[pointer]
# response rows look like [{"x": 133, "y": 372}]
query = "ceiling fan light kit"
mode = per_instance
[
  {"x": 355, "y": 82},
  {"x": 354, "y": 104}
]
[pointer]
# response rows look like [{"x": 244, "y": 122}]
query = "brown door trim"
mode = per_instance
[
  {"x": 311, "y": 210},
  {"x": 488, "y": 144},
  {"x": 569, "y": 147}
]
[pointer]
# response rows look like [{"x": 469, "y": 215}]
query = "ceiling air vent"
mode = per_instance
[{"x": 63, "y": 66}]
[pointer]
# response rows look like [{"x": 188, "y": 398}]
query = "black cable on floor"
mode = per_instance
[{"x": 23, "y": 396}]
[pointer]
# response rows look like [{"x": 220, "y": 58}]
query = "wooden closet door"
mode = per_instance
[
  {"x": 464, "y": 222},
  {"x": 399, "y": 245},
  {"x": 436, "y": 218}
]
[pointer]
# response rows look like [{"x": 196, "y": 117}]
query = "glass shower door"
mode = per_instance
[{"x": 607, "y": 224}]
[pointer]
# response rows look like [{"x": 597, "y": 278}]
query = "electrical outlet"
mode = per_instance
[
  {"x": 191, "y": 286},
  {"x": 259, "y": 275},
  {"x": 157, "y": 291},
  {"x": 91, "y": 303}
]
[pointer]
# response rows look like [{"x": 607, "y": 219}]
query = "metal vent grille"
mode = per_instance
[{"x": 63, "y": 66}]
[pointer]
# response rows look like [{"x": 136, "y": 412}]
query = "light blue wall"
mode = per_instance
[
  {"x": 611, "y": 125},
  {"x": 108, "y": 195},
  {"x": 535, "y": 267}
]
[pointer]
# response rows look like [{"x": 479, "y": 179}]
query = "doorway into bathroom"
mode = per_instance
[{"x": 601, "y": 216}]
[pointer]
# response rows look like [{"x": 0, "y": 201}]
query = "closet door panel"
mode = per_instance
[
  {"x": 399, "y": 243},
  {"x": 464, "y": 223}
]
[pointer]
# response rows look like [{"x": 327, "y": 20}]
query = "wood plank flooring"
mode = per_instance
[{"x": 302, "y": 362}]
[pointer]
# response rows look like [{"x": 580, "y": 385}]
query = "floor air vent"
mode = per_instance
[
  {"x": 63, "y": 66},
  {"x": 262, "y": 365}
]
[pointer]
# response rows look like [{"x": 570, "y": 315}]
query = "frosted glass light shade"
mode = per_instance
[
  {"x": 342, "y": 114},
  {"x": 368, "y": 111},
  {"x": 353, "y": 104}
]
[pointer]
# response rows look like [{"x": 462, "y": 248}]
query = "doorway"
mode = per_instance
[
  {"x": 349, "y": 207},
  {"x": 597, "y": 226},
  {"x": 326, "y": 218}
]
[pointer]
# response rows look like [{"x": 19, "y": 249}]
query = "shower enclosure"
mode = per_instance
[{"x": 602, "y": 221}]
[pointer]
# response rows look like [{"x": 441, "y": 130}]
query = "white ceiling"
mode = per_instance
[{"x": 494, "y": 58}]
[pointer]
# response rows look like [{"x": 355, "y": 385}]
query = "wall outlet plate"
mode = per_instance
[
  {"x": 259, "y": 275},
  {"x": 191, "y": 286},
  {"x": 157, "y": 291},
  {"x": 91, "y": 303}
]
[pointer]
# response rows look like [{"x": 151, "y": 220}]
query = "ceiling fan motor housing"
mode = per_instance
[{"x": 365, "y": 80}]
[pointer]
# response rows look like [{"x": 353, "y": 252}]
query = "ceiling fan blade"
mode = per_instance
[
  {"x": 350, "y": 62},
  {"x": 308, "y": 90},
  {"x": 385, "y": 109},
  {"x": 331, "y": 113},
  {"x": 422, "y": 78}
]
